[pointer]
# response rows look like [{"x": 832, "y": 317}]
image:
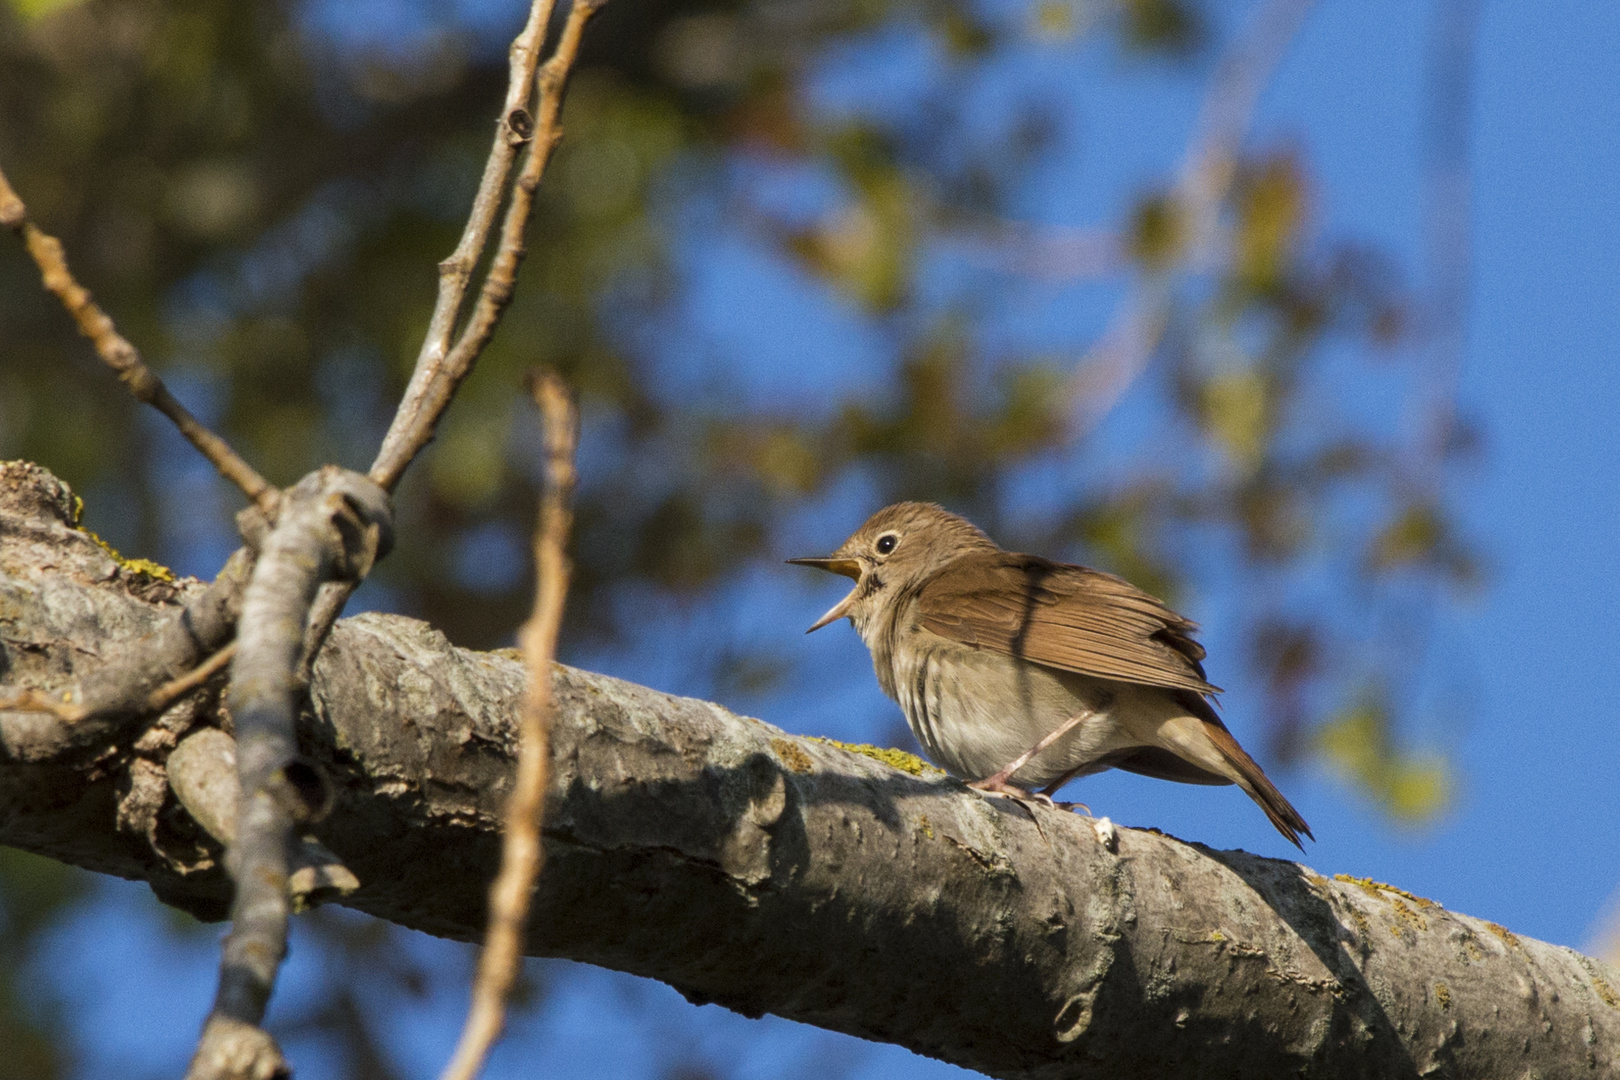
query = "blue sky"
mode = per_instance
[{"x": 1532, "y": 841}]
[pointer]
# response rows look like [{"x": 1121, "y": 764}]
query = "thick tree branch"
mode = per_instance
[{"x": 785, "y": 875}]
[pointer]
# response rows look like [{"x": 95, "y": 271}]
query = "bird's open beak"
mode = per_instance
[{"x": 850, "y": 568}]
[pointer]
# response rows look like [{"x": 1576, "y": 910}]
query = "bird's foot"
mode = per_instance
[
  {"x": 1049, "y": 790},
  {"x": 998, "y": 786}
]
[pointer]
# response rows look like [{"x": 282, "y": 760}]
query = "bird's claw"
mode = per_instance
[{"x": 999, "y": 787}]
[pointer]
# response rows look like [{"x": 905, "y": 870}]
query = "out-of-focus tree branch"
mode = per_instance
[
  {"x": 1193, "y": 209},
  {"x": 1449, "y": 213}
]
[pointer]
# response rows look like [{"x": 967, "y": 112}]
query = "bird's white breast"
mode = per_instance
[{"x": 974, "y": 711}]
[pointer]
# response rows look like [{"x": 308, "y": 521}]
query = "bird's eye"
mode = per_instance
[{"x": 886, "y": 542}]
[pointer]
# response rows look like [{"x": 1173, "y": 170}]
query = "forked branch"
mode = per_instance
[{"x": 438, "y": 372}]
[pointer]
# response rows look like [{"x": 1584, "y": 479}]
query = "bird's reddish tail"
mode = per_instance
[{"x": 1253, "y": 779}]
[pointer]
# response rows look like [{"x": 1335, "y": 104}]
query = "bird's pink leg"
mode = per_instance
[{"x": 998, "y": 785}]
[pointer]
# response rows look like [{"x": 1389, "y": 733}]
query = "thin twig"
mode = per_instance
[
  {"x": 439, "y": 367},
  {"x": 1051, "y": 253},
  {"x": 1202, "y": 184},
  {"x": 160, "y": 698},
  {"x": 433, "y": 386},
  {"x": 30, "y": 700},
  {"x": 122, "y": 356},
  {"x": 521, "y": 852},
  {"x": 513, "y": 130}
]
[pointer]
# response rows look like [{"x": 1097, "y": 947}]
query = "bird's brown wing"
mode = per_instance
[
  {"x": 1086, "y": 621},
  {"x": 1064, "y": 616}
]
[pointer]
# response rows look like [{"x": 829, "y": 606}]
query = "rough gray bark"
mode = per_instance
[{"x": 779, "y": 874}]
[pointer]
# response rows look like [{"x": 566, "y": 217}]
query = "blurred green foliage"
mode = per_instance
[
  {"x": 1413, "y": 787},
  {"x": 259, "y": 193}
]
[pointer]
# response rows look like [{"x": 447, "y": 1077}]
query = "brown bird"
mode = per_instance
[{"x": 1019, "y": 674}]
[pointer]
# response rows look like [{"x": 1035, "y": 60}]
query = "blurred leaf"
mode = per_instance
[
  {"x": 1158, "y": 232},
  {"x": 865, "y": 247},
  {"x": 1419, "y": 788},
  {"x": 1270, "y": 199},
  {"x": 965, "y": 36},
  {"x": 1056, "y": 20},
  {"x": 1413, "y": 536},
  {"x": 1170, "y": 26},
  {"x": 1237, "y": 411},
  {"x": 1420, "y": 537},
  {"x": 39, "y": 9},
  {"x": 1359, "y": 744}
]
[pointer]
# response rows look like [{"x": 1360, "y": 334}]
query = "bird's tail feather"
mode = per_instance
[{"x": 1253, "y": 779}]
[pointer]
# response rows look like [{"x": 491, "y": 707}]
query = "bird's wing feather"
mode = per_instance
[{"x": 1063, "y": 616}]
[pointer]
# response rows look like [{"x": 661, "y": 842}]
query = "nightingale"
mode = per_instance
[{"x": 1018, "y": 674}]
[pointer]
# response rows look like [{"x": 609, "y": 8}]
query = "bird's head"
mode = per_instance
[{"x": 898, "y": 547}]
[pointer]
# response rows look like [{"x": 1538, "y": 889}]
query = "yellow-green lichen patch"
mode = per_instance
[
  {"x": 926, "y": 826},
  {"x": 132, "y": 566},
  {"x": 1508, "y": 937},
  {"x": 1374, "y": 888},
  {"x": 792, "y": 756},
  {"x": 149, "y": 568},
  {"x": 1606, "y": 992},
  {"x": 1411, "y": 917},
  {"x": 1442, "y": 994},
  {"x": 895, "y": 759}
]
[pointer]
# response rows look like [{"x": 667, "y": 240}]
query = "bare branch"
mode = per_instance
[
  {"x": 433, "y": 387},
  {"x": 333, "y": 523},
  {"x": 1051, "y": 253},
  {"x": 123, "y": 357},
  {"x": 160, "y": 699},
  {"x": 520, "y": 851},
  {"x": 513, "y": 130},
  {"x": 1450, "y": 201},
  {"x": 439, "y": 367},
  {"x": 1202, "y": 183}
]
